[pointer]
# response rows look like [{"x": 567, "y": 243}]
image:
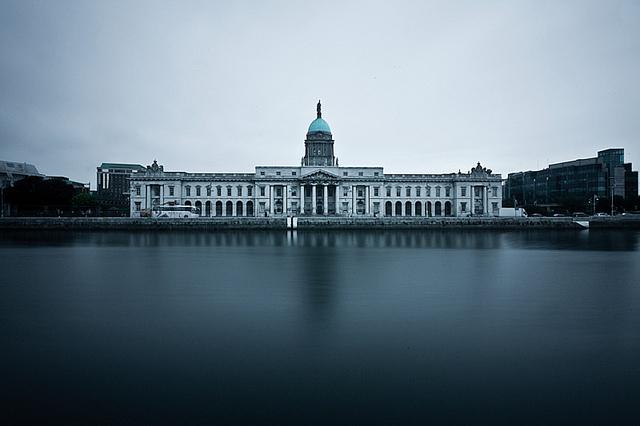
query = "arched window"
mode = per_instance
[
  {"x": 199, "y": 207},
  {"x": 428, "y": 211},
  {"x": 360, "y": 207},
  {"x": 447, "y": 208},
  {"x": 438, "y": 209},
  {"x": 207, "y": 208},
  {"x": 229, "y": 208},
  {"x": 388, "y": 207},
  {"x": 187, "y": 203},
  {"x": 407, "y": 208},
  {"x": 218, "y": 208},
  {"x": 239, "y": 208},
  {"x": 250, "y": 208},
  {"x": 418, "y": 208},
  {"x": 398, "y": 208}
]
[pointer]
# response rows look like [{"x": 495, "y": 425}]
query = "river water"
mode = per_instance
[{"x": 314, "y": 327}]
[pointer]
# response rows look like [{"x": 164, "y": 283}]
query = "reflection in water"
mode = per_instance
[
  {"x": 453, "y": 239},
  {"x": 394, "y": 327}
]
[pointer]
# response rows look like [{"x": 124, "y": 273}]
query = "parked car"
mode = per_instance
[
  {"x": 579, "y": 214},
  {"x": 602, "y": 214},
  {"x": 558, "y": 215},
  {"x": 535, "y": 215}
]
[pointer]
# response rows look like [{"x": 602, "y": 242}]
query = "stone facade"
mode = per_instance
[{"x": 319, "y": 187}]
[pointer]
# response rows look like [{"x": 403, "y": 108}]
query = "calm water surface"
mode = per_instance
[{"x": 358, "y": 328}]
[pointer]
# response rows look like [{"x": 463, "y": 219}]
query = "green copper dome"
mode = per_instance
[{"x": 319, "y": 125}]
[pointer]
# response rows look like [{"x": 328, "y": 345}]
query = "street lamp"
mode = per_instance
[{"x": 613, "y": 181}]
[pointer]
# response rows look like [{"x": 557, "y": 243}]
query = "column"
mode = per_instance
[
  {"x": 367, "y": 200},
  {"x": 285, "y": 196},
  {"x": 271, "y": 199},
  {"x": 147, "y": 196},
  {"x": 313, "y": 199},
  {"x": 337, "y": 199},
  {"x": 233, "y": 209},
  {"x": 301, "y": 198},
  {"x": 325, "y": 209},
  {"x": 486, "y": 197},
  {"x": 471, "y": 208},
  {"x": 162, "y": 194},
  {"x": 354, "y": 210}
]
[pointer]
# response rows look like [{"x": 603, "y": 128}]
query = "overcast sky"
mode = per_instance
[{"x": 215, "y": 86}]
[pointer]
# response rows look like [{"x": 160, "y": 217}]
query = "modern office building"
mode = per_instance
[
  {"x": 113, "y": 186},
  {"x": 576, "y": 182},
  {"x": 319, "y": 186}
]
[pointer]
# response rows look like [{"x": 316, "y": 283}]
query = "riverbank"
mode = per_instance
[{"x": 304, "y": 223}]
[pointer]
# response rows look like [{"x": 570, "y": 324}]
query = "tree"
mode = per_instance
[{"x": 35, "y": 195}]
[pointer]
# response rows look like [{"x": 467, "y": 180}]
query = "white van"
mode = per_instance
[{"x": 176, "y": 212}]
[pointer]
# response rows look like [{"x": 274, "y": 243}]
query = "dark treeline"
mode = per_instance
[{"x": 38, "y": 196}]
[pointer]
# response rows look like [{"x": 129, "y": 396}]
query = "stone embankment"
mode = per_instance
[{"x": 304, "y": 223}]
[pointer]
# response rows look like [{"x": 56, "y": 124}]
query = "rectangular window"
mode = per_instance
[
  {"x": 408, "y": 191},
  {"x": 494, "y": 207},
  {"x": 278, "y": 191},
  {"x": 447, "y": 192},
  {"x": 345, "y": 173},
  {"x": 345, "y": 191},
  {"x": 239, "y": 191},
  {"x": 345, "y": 207},
  {"x": 197, "y": 191},
  {"x": 437, "y": 191},
  {"x": 262, "y": 191},
  {"x": 208, "y": 191},
  {"x": 219, "y": 191},
  {"x": 428, "y": 191},
  {"x": 463, "y": 191},
  {"x": 261, "y": 173},
  {"x": 376, "y": 173},
  {"x": 138, "y": 206},
  {"x": 376, "y": 192},
  {"x": 293, "y": 173},
  {"x": 138, "y": 191},
  {"x": 360, "y": 174},
  {"x": 187, "y": 191},
  {"x": 171, "y": 191},
  {"x": 277, "y": 173},
  {"x": 398, "y": 191},
  {"x": 250, "y": 191},
  {"x": 495, "y": 191},
  {"x": 294, "y": 192},
  {"x": 418, "y": 191},
  {"x": 360, "y": 192},
  {"x": 463, "y": 207},
  {"x": 388, "y": 191},
  {"x": 228, "y": 191}
]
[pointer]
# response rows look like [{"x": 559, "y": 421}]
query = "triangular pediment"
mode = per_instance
[{"x": 319, "y": 175}]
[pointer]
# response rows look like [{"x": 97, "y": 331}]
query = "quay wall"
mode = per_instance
[{"x": 309, "y": 223}]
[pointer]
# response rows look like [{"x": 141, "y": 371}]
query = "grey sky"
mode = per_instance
[{"x": 224, "y": 86}]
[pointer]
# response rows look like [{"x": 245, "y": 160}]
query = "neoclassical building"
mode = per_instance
[{"x": 319, "y": 186}]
